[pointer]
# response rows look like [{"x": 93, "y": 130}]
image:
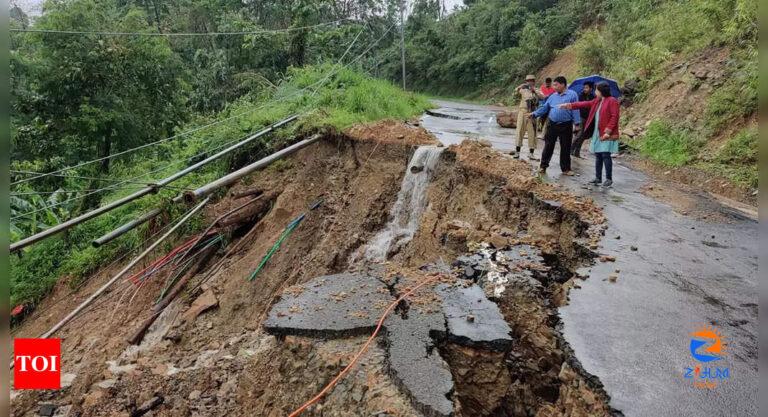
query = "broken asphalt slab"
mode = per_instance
[{"x": 350, "y": 304}]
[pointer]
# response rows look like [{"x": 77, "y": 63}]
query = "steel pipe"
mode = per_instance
[
  {"x": 122, "y": 272},
  {"x": 127, "y": 227},
  {"x": 141, "y": 193},
  {"x": 192, "y": 196}
]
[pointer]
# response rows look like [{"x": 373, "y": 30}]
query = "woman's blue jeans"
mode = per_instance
[{"x": 603, "y": 158}]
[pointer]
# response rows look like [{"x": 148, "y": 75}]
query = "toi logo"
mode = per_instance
[
  {"x": 37, "y": 363},
  {"x": 706, "y": 345}
]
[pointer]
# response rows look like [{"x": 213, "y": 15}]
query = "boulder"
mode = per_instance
[{"x": 507, "y": 119}]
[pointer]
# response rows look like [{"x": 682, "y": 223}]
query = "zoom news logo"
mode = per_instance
[
  {"x": 707, "y": 347},
  {"x": 37, "y": 363}
]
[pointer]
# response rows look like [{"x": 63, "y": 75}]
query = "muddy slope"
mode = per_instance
[{"x": 223, "y": 363}]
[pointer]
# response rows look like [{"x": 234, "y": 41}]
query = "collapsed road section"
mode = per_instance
[{"x": 294, "y": 294}]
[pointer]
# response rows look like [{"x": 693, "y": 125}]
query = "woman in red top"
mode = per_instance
[{"x": 604, "y": 112}]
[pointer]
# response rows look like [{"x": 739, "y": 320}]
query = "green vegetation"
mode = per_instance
[
  {"x": 86, "y": 96},
  {"x": 626, "y": 47},
  {"x": 343, "y": 100},
  {"x": 737, "y": 98},
  {"x": 668, "y": 145},
  {"x": 737, "y": 160}
]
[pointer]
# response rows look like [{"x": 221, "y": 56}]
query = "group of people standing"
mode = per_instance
[{"x": 593, "y": 114}]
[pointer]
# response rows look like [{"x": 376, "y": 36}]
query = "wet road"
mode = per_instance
[{"x": 685, "y": 274}]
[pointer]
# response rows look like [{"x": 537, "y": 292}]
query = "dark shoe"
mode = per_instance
[
  {"x": 532, "y": 157},
  {"x": 608, "y": 183},
  {"x": 516, "y": 155},
  {"x": 595, "y": 182},
  {"x": 542, "y": 171}
]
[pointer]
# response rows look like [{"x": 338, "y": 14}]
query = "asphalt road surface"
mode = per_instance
[{"x": 685, "y": 274}]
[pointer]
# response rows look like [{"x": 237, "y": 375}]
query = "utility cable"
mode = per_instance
[
  {"x": 363, "y": 349},
  {"x": 172, "y": 34}
]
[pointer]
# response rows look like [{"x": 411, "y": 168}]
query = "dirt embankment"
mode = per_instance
[{"x": 222, "y": 362}]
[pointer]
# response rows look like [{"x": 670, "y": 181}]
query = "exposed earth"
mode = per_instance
[{"x": 495, "y": 330}]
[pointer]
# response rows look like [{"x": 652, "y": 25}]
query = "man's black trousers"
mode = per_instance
[
  {"x": 583, "y": 135},
  {"x": 564, "y": 133}
]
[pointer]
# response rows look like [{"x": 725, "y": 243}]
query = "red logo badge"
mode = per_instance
[{"x": 37, "y": 363}]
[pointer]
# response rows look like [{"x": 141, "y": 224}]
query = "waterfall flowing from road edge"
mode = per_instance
[{"x": 411, "y": 201}]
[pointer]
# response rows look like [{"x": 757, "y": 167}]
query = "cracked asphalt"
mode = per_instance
[{"x": 634, "y": 334}]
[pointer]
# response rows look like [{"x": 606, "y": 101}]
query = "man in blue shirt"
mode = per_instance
[{"x": 560, "y": 125}]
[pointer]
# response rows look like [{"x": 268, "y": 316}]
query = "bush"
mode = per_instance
[
  {"x": 738, "y": 96},
  {"x": 741, "y": 149},
  {"x": 668, "y": 145},
  {"x": 591, "y": 51}
]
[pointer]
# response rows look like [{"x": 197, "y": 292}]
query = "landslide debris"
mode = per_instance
[{"x": 488, "y": 225}]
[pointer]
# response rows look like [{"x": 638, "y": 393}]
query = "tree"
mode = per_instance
[{"x": 93, "y": 95}]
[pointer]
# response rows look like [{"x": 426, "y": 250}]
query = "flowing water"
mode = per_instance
[{"x": 411, "y": 202}]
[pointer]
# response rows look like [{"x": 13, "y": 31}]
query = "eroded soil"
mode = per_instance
[{"x": 222, "y": 362}]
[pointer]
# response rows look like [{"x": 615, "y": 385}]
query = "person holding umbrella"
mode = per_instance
[
  {"x": 604, "y": 112},
  {"x": 587, "y": 94}
]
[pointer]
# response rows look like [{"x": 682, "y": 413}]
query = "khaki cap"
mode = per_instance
[{"x": 530, "y": 77}]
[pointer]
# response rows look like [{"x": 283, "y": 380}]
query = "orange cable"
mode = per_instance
[{"x": 362, "y": 350}]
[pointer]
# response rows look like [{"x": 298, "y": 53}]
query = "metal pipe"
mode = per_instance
[
  {"x": 125, "y": 270},
  {"x": 127, "y": 227},
  {"x": 141, "y": 193},
  {"x": 192, "y": 196}
]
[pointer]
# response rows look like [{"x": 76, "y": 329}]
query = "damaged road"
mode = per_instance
[
  {"x": 672, "y": 273},
  {"x": 349, "y": 304}
]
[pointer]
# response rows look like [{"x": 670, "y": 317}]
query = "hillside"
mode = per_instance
[{"x": 692, "y": 65}]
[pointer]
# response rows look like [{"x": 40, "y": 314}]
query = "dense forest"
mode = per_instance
[{"x": 161, "y": 83}]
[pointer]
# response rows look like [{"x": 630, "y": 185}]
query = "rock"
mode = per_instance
[
  {"x": 485, "y": 143},
  {"x": 147, "y": 406},
  {"x": 470, "y": 318},
  {"x": 67, "y": 379},
  {"x": 498, "y": 241},
  {"x": 106, "y": 384},
  {"x": 47, "y": 410},
  {"x": 507, "y": 119},
  {"x": 92, "y": 399},
  {"x": 633, "y": 248},
  {"x": 458, "y": 224},
  {"x": 613, "y": 277},
  {"x": 205, "y": 301},
  {"x": 194, "y": 395},
  {"x": 416, "y": 169},
  {"x": 607, "y": 258},
  {"x": 116, "y": 369}
]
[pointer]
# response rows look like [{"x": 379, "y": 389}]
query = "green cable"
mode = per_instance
[{"x": 288, "y": 230}]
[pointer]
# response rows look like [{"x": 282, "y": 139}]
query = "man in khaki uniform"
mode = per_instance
[{"x": 529, "y": 101}]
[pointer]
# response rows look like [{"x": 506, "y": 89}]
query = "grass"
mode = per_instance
[
  {"x": 737, "y": 98},
  {"x": 737, "y": 160},
  {"x": 668, "y": 145},
  {"x": 345, "y": 99}
]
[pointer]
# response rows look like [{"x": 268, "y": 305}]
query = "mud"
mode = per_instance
[{"x": 481, "y": 205}]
